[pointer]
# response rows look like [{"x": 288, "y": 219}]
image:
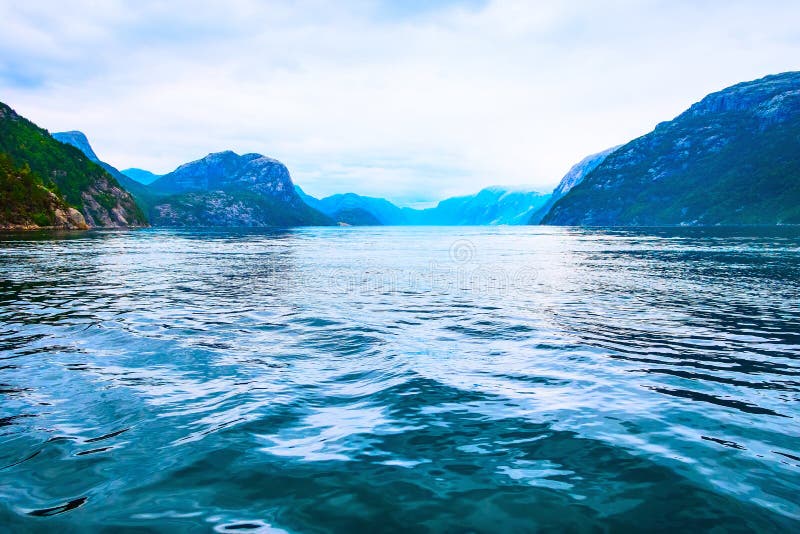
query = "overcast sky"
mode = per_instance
[{"x": 411, "y": 100}]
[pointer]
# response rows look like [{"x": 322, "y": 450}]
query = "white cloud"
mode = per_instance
[{"x": 367, "y": 97}]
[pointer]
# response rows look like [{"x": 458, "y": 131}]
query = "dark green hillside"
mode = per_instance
[
  {"x": 67, "y": 172},
  {"x": 733, "y": 158},
  {"x": 26, "y": 203}
]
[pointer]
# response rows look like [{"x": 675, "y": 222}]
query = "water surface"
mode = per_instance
[{"x": 401, "y": 379}]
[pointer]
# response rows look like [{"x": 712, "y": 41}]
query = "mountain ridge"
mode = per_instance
[
  {"x": 492, "y": 205},
  {"x": 60, "y": 178},
  {"x": 226, "y": 189},
  {"x": 574, "y": 176},
  {"x": 221, "y": 189},
  {"x": 731, "y": 158}
]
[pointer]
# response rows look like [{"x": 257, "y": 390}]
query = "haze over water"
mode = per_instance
[{"x": 386, "y": 379}]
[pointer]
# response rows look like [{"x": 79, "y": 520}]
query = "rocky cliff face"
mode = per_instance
[
  {"x": 732, "y": 158},
  {"x": 107, "y": 205},
  {"x": 67, "y": 173},
  {"x": 228, "y": 171},
  {"x": 226, "y": 189}
]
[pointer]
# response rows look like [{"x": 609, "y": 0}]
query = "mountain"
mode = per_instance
[
  {"x": 308, "y": 199},
  {"x": 222, "y": 189},
  {"x": 573, "y": 177},
  {"x": 226, "y": 189},
  {"x": 66, "y": 189},
  {"x": 79, "y": 141},
  {"x": 493, "y": 205},
  {"x": 143, "y": 197},
  {"x": 732, "y": 158},
  {"x": 140, "y": 175},
  {"x": 355, "y": 217},
  {"x": 351, "y": 209}
]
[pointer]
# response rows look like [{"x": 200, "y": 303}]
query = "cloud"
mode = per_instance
[{"x": 410, "y": 100}]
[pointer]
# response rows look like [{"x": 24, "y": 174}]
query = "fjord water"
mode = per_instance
[{"x": 401, "y": 379}]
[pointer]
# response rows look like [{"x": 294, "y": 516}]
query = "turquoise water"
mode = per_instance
[{"x": 401, "y": 379}]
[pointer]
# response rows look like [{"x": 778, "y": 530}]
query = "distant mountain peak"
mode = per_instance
[
  {"x": 504, "y": 189},
  {"x": 78, "y": 140},
  {"x": 141, "y": 175},
  {"x": 227, "y": 169},
  {"x": 492, "y": 205}
]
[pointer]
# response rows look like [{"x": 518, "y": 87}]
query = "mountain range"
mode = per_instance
[
  {"x": 490, "y": 206},
  {"x": 493, "y": 205},
  {"x": 732, "y": 158},
  {"x": 225, "y": 189},
  {"x": 221, "y": 189},
  {"x": 357, "y": 210}
]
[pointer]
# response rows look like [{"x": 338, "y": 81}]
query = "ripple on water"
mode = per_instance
[{"x": 363, "y": 380}]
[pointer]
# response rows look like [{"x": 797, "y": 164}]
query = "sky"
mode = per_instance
[{"x": 410, "y": 100}]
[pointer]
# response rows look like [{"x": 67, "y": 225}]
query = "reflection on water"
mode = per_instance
[{"x": 383, "y": 379}]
